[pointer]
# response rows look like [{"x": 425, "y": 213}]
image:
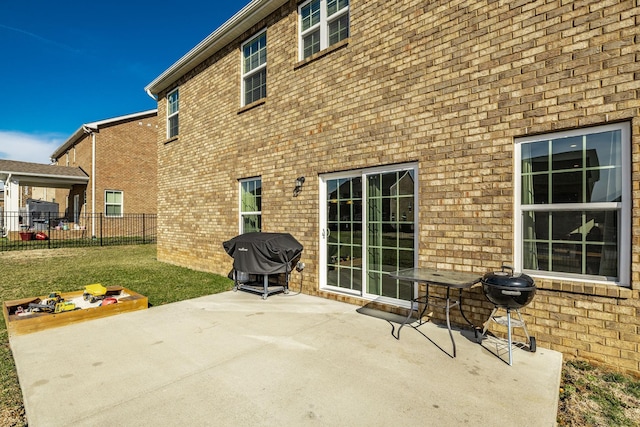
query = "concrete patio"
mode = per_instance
[{"x": 234, "y": 359}]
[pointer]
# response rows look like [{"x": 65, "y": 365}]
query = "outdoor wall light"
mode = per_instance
[{"x": 298, "y": 188}]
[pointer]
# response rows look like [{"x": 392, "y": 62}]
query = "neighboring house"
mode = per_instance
[
  {"x": 120, "y": 157},
  {"x": 22, "y": 181},
  {"x": 516, "y": 122}
]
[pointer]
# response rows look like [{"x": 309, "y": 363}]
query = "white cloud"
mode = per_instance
[{"x": 29, "y": 147}]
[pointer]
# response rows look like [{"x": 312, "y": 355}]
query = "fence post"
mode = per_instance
[
  {"x": 100, "y": 230},
  {"x": 48, "y": 230}
]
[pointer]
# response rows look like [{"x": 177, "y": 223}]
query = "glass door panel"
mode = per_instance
[
  {"x": 391, "y": 231},
  {"x": 344, "y": 230},
  {"x": 388, "y": 243}
]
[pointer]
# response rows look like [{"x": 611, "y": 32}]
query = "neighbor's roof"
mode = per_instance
[
  {"x": 246, "y": 18},
  {"x": 88, "y": 127},
  {"x": 39, "y": 174}
]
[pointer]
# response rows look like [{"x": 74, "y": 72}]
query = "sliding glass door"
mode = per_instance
[{"x": 367, "y": 230}]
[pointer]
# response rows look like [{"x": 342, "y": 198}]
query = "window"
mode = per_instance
[
  {"x": 173, "y": 107},
  {"x": 254, "y": 69},
  {"x": 573, "y": 205},
  {"x": 250, "y": 205},
  {"x": 113, "y": 203},
  {"x": 322, "y": 24}
]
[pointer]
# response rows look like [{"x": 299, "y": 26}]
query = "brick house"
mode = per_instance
[
  {"x": 120, "y": 157},
  {"x": 516, "y": 124}
]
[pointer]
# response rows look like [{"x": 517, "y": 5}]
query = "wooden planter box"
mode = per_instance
[{"x": 34, "y": 322}]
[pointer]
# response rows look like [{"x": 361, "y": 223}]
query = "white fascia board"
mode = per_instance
[
  {"x": 87, "y": 127},
  {"x": 98, "y": 124},
  {"x": 33, "y": 176},
  {"x": 247, "y": 17}
]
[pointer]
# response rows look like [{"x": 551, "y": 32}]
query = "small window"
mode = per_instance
[
  {"x": 173, "y": 107},
  {"x": 113, "y": 203},
  {"x": 322, "y": 24},
  {"x": 250, "y": 205},
  {"x": 254, "y": 69},
  {"x": 573, "y": 204}
]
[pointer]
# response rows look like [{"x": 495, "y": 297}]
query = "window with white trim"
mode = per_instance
[
  {"x": 173, "y": 107},
  {"x": 250, "y": 205},
  {"x": 573, "y": 204},
  {"x": 322, "y": 24},
  {"x": 113, "y": 203},
  {"x": 254, "y": 69}
]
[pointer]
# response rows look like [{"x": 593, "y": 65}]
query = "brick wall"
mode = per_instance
[
  {"x": 447, "y": 84},
  {"x": 126, "y": 160}
]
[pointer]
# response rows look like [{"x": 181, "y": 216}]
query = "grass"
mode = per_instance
[
  {"x": 589, "y": 396},
  {"x": 38, "y": 272}
]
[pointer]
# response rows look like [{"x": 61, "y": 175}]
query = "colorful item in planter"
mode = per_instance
[
  {"x": 64, "y": 306},
  {"x": 95, "y": 292}
]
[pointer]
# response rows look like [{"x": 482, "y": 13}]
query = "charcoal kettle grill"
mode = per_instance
[{"x": 510, "y": 292}]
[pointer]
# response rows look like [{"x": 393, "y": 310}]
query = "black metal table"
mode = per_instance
[{"x": 448, "y": 279}]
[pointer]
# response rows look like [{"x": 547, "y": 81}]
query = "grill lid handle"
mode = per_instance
[{"x": 507, "y": 267}]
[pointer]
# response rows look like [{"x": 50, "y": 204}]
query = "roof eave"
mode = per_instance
[
  {"x": 87, "y": 127},
  {"x": 247, "y": 17}
]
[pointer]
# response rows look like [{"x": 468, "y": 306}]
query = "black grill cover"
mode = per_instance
[{"x": 263, "y": 253}]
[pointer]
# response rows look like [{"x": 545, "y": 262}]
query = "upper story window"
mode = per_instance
[
  {"x": 113, "y": 203},
  {"x": 254, "y": 69},
  {"x": 173, "y": 107},
  {"x": 250, "y": 205},
  {"x": 573, "y": 210},
  {"x": 322, "y": 24}
]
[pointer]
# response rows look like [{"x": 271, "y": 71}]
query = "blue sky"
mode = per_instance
[{"x": 66, "y": 63}]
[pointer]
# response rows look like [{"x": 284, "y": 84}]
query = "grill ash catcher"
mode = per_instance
[{"x": 508, "y": 291}]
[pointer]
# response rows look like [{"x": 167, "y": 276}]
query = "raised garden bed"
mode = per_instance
[{"x": 18, "y": 322}]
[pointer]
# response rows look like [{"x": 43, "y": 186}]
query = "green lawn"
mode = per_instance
[{"x": 37, "y": 272}]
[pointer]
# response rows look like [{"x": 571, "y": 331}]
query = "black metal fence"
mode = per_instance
[{"x": 49, "y": 230}]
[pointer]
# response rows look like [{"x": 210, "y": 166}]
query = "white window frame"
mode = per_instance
[
  {"x": 121, "y": 204},
  {"x": 623, "y": 207},
  {"x": 323, "y": 233},
  {"x": 241, "y": 213},
  {"x": 252, "y": 72},
  {"x": 172, "y": 114},
  {"x": 323, "y": 25}
]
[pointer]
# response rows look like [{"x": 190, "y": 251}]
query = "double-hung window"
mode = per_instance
[
  {"x": 173, "y": 107},
  {"x": 573, "y": 204},
  {"x": 113, "y": 203},
  {"x": 250, "y": 205},
  {"x": 254, "y": 69},
  {"x": 322, "y": 24}
]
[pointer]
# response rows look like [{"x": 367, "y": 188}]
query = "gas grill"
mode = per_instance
[{"x": 256, "y": 256}]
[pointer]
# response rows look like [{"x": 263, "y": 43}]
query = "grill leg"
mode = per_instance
[
  {"x": 486, "y": 324},
  {"x": 265, "y": 283},
  {"x": 509, "y": 335},
  {"x": 524, "y": 326}
]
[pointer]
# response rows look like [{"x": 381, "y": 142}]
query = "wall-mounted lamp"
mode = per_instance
[{"x": 298, "y": 188}]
